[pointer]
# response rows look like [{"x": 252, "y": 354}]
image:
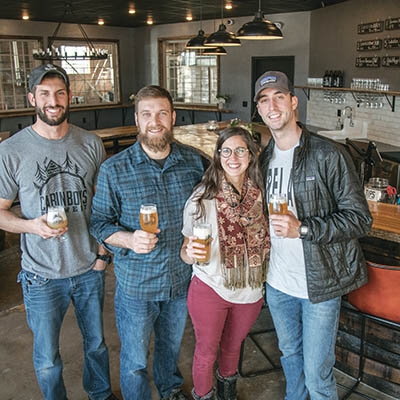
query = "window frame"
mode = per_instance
[
  {"x": 162, "y": 73},
  {"x": 116, "y": 60},
  {"x": 33, "y": 63},
  {"x": 20, "y": 38}
]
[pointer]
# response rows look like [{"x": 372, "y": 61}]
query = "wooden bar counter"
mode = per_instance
[{"x": 386, "y": 221}]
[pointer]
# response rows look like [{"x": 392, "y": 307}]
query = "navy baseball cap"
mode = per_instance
[
  {"x": 272, "y": 79},
  {"x": 39, "y": 73}
]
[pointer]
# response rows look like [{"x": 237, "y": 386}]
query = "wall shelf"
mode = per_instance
[{"x": 390, "y": 95}]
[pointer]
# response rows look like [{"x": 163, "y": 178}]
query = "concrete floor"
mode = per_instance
[{"x": 17, "y": 379}]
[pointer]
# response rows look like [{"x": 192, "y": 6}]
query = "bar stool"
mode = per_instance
[{"x": 257, "y": 333}]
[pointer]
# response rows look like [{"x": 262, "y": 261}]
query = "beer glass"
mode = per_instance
[
  {"x": 148, "y": 218},
  {"x": 212, "y": 125},
  {"x": 203, "y": 233},
  {"x": 57, "y": 219},
  {"x": 278, "y": 204}
]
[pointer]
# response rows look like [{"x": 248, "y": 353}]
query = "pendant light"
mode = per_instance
[
  {"x": 259, "y": 28},
  {"x": 215, "y": 51},
  {"x": 222, "y": 37},
  {"x": 198, "y": 41}
]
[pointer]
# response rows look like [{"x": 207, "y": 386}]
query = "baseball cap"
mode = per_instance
[
  {"x": 39, "y": 73},
  {"x": 272, "y": 79}
]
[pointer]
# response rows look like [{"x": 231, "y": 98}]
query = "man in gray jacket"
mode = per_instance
[{"x": 315, "y": 254}]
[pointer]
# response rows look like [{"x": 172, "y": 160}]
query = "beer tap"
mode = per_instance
[{"x": 367, "y": 160}]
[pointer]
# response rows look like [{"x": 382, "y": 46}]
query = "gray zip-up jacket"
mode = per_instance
[{"x": 330, "y": 200}]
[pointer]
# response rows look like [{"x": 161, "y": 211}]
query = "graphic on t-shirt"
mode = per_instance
[
  {"x": 61, "y": 185},
  {"x": 275, "y": 184}
]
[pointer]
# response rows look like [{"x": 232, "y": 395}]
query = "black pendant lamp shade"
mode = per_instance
[
  {"x": 197, "y": 42},
  {"x": 215, "y": 51},
  {"x": 222, "y": 37},
  {"x": 259, "y": 28}
]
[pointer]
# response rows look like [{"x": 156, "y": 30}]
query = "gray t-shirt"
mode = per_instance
[{"x": 41, "y": 173}]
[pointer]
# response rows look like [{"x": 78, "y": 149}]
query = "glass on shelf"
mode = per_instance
[
  {"x": 368, "y": 84},
  {"x": 334, "y": 97}
]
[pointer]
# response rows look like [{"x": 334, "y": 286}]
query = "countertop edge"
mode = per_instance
[{"x": 385, "y": 235}]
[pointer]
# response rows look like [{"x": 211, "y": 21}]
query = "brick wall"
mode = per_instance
[{"x": 383, "y": 124}]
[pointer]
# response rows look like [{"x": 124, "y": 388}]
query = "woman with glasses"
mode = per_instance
[{"x": 225, "y": 296}]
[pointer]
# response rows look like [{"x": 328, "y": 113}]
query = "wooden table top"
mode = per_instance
[
  {"x": 117, "y": 132},
  {"x": 200, "y": 107},
  {"x": 198, "y": 136}
]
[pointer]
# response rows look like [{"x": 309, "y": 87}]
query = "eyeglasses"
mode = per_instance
[{"x": 226, "y": 152}]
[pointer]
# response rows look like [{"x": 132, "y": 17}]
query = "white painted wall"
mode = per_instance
[{"x": 236, "y": 66}]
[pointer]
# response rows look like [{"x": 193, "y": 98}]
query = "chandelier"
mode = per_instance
[{"x": 52, "y": 53}]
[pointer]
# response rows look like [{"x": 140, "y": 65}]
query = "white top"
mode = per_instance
[
  {"x": 287, "y": 271},
  {"x": 211, "y": 274}
]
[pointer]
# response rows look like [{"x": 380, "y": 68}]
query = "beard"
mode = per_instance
[
  {"x": 50, "y": 121},
  {"x": 157, "y": 144}
]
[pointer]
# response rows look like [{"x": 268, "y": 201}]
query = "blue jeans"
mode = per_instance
[
  {"x": 307, "y": 336},
  {"x": 46, "y": 302},
  {"x": 136, "y": 320}
]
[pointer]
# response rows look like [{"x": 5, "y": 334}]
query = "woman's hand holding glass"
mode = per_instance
[{"x": 199, "y": 246}]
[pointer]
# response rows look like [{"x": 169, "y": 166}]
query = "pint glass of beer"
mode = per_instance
[
  {"x": 148, "y": 218},
  {"x": 57, "y": 219},
  {"x": 204, "y": 235},
  {"x": 278, "y": 204}
]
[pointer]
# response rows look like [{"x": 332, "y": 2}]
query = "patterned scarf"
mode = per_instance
[{"x": 243, "y": 232}]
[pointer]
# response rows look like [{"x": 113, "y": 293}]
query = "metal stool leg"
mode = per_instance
[{"x": 253, "y": 337}]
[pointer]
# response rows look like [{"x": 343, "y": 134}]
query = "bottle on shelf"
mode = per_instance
[
  {"x": 335, "y": 76},
  {"x": 338, "y": 79},
  {"x": 341, "y": 79},
  {"x": 326, "y": 79}
]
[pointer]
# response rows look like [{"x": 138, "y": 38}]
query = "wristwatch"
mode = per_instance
[
  {"x": 104, "y": 257},
  {"x": 303, "y": 231}
]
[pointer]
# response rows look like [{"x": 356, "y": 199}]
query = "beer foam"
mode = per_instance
[
  {"x": 148, "y": 210},
  {"x": 202, "y": 232}
]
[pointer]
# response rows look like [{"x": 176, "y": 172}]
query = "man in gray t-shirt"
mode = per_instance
[{"x": 53, "y": 163}]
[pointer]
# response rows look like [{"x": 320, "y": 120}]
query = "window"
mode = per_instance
[
  {"x": 16, "y": 62},
  {"x": 190, "y": 76},
  {"x": 93, "y": 82}
]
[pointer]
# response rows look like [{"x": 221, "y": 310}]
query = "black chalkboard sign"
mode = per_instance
[
  {"x": 370, "y": 27},
  {"x": 391, "y": 43},
  {"x": 368, "y": 62},
  {"x": 392, "y": 24},
  {"x": 391, "y": 61},
  {"x": 368, "y": 45}
]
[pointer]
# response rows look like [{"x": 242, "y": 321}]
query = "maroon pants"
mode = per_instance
[{"x": 217, "y": 324}]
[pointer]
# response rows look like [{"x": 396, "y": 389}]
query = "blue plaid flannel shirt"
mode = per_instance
[{"x": 128, "y": 180}]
